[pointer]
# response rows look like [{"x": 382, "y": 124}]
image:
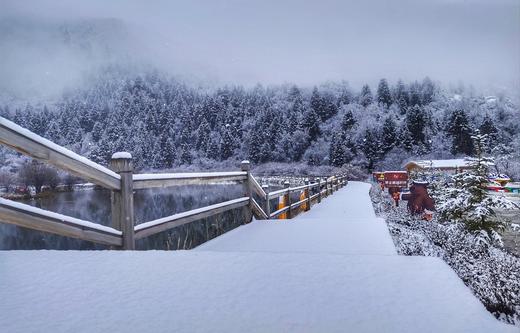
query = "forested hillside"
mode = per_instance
[{"x": 166, "y": 124}]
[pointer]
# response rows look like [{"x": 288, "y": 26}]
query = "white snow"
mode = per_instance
[
  {"x": 343, "y": 223},
  {"x": 51, "y": 145},
  {"x": 333, "y": 269},
  {"x": 233, "y": 292},
  {"x": 439, "y": 164},
  {"x": 121, "y": 155},
  {"x": 184, "y": 175}
]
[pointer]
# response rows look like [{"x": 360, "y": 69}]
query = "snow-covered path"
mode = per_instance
[
  {"x": 333, "y": 269},
  {"x": 343, "y": 223}
]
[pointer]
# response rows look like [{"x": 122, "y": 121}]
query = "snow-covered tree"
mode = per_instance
[
  {"x": 460, "y": 131},
  {"x": 468, "y": 201},
  {"x": 365, "y": 97},
  {"x": 383, "y": 93}
]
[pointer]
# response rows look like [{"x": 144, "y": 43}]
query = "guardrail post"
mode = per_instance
[
  {"x": 123, "y": 200},
  {"x": 267, "y": 204},
  {"x": 319, "y": 189},
  {"x": 287, "y": 198},
  {"x": 248, "y": 211},
  {"x": 326, "y": 186},
  {"x": 307, "y": 195}
]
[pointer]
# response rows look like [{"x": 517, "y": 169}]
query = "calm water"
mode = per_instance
[{"x": 94, "y": 205}]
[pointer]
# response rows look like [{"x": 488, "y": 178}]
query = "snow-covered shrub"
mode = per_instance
[{"x": 489, "y": 271}]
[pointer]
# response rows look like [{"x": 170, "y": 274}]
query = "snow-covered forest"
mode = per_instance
[{"x": 167, "y": 124}]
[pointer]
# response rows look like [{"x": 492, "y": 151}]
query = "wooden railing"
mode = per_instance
[{"x": 122, "y": 182}]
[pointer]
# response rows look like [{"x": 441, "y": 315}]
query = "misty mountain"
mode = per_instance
[
  {"x": 167, "y": 124},
  {"x": 43, "y": 57}
]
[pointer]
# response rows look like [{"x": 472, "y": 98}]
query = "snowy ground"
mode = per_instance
[{"x": 331, "y": 270}]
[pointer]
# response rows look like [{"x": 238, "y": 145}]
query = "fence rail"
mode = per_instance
[
  {"x": 144, "y": 181},
  {"x": 28, "y": 143},
  {"x": 43, "y": 220},
  {"x": 149, "y": 228},
  {"x": 122, "y": 182}
]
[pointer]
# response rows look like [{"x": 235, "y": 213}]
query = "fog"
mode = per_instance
[{"x": 48, "y": 45}]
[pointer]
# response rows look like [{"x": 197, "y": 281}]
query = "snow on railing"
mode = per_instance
[{"x": 31, "y": 144}]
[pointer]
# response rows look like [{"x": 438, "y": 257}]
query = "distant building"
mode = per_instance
[{"x": 447, "y": 166}]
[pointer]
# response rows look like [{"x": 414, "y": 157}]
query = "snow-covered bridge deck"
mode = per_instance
[
  {"x": 344, "y": 223},
  {"x": 333, "y": 269}
]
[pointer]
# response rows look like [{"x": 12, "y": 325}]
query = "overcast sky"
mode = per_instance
[{"x": 308, "y": 42}]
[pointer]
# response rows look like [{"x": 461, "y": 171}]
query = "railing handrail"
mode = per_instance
[
  {"x": 43, "y": 220},
  {"x": 151, "y": 180},
  {"x": 175, "y": 220},
  {"x": 29, "y": 143}
]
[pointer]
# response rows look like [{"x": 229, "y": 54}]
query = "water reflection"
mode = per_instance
[{"x": 94, "y": 205}]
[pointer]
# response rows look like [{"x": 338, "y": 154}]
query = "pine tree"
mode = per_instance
[
  {"x": 54, "y": 132},
  {"x": 348, "y": 121},
  {"x": 415, "y": 94},
  {"x": 330, "y": 108},
  {"x": 185, "y": 154},
  {"x": 255, "y": 142},
  {"x": 213, "y": 151},
  {"x": 226, "y": 143},
  {"x": 311, "y": 123},
  {"x": 345, "y": 97},
  {"x": 371, "y": 148},
  {"x": 428, "y": 91},
  {"x": 389, "y": 138},
  {"x": 203, "y": 136},
  {"x": 406, "y": 141},
  {"x": 383, "y": 93},
  {"x": 365, "y": 98},
  {"x": 460, "y": 132},
  {"x": 401, "y": 96},
  {"x": 318, "y": 103},
  {"x": 336, "y": 151},
  {"x": 415, "y": 122},
  {"x": 468, "y": 201},
  {"x": 488, "y": 128}
]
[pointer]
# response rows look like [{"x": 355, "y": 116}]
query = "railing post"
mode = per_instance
[
  {"x": 287, "y": 198},
  {"x": 267, "y": 204},
  {"x": 123, "y": 200},
  {"x": 248, "y": 211},
  {"x": 326, "y": 187},
  {"x": 319, "y": 189},
  {"x": 307, "y": 195},
  {"x": 332, "y": 185}
]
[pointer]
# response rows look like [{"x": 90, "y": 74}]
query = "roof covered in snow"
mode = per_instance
[{"x": 440, "y": 164}]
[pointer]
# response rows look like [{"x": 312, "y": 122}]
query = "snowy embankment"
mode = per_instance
[
  {"x": 490, "y": 272},
  {"x": 333, "y": 269}
]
